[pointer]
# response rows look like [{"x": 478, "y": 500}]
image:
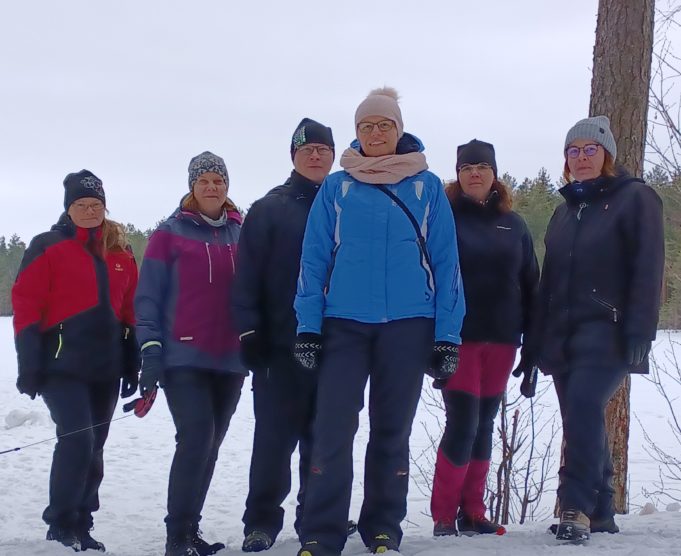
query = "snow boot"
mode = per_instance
[
  {"x": 257, "y": 541},
  {"x": 88, "y": 543},
  {"x": 203, "y": 547},
  {"x": 604, "y": 525},
  {"x": 470, "y": 525},
  {"x": 573, "y": 527},
  {"x": 445, "y": 529},
  {"x": 313, "y": 548},
  {"x": 382, "y": 543},
  {"x": 352, "y": 527},
  {"x": 64, "y": 535},
  {"x": 180, "y": 544}
]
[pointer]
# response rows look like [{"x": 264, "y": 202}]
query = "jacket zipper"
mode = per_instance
[
  {"x": 59, "y": 346},
  {"x": 607, "y": 306},
  {"x": 127, "y": 331},
  {"x": 231, "y": 256},
  {"x": 210, "y": 264},
  {"x": 582, "y": 206}
]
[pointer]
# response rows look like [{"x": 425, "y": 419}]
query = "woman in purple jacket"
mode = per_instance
[{"x": 188, "y": 342}]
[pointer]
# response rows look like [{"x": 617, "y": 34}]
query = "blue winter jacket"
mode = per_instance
[{"x": 362, "y": 260}]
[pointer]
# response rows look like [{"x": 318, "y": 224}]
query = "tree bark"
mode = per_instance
[{"x": 619, "y": 90}]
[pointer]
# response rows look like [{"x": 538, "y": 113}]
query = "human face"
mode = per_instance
[
  {"x": 312, "y": 163},
  {"x": 87, "y": 212},
  {"x": 585, "y": 167},
  {"x": 476, "y": 180},
  {"x": 210, "y": 192},
  {"x": 377, "y": 142}
]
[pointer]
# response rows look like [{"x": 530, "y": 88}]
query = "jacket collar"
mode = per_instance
[
  {"x": 66, "y": 226},
  {"x": 590, "y": 190}
]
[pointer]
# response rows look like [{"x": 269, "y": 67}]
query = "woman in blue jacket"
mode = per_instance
[{"x": 380, "y": 296}]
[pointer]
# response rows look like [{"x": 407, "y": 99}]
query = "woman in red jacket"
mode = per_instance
[{"x": 74, "y": 334}]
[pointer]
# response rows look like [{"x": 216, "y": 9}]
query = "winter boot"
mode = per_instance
[
  {"x": 203, "y": 547},
  {"x": 352, "y": 527},
  {"x": 257, "y": 541},
  {"x": 313, "y": 548},
  {"x": 382, "y": 543},
  {"x": 88, "y": 543},
  {"x": 573, "y": 527},
  {"x": 470, "y": 525},
  {"x": 65, "y": 535},
  {"x": 604, "y": 525},
  {"x": 445, "y": 528},
  {"x": 180, "y": 544}
]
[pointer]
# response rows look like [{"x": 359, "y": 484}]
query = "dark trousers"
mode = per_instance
[
  {"x": 202, "y": 404},
  {"x": 78, "y": 460},
  {"x": 394, "y": 355},
  {"x": 586, "y": 475},
  {"x": 283, "y": 403}
]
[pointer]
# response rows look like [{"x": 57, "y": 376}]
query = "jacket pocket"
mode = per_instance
[
  {"x": 614, "y": 311},
  {"x": 332, "y": 264}
]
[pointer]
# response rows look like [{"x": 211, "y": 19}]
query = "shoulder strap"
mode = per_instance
[{"x": 412, "y": 219}]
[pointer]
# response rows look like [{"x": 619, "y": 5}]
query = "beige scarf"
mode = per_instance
[{"x": 388, "y": 169}]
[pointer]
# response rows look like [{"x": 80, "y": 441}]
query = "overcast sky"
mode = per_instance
[{"x": 132, "y": 89}]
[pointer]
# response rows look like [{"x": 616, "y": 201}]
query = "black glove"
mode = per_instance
[
  {"x": 253, "y": 354},
  {"x": 29, "y": 384},
  {"x": 151, "y": 374},
  {"x": 637, "y": 351},
  {"x": 528, "y": 387},
  {"x": 443, "y": 361},
  {"x": 129, "y": 385},
  {"x": 307, "y": 350}
]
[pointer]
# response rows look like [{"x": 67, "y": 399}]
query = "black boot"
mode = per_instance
[
  {"x": 88, "y": 543},
  {"x": 313, "y": 548},
  {"x": 445, "y": 529},
  {"x": 179, "y": 543},
  {"x": 382, "y": 543},
  {"x": 573, "y": 527},
  {"x": 257, "y": 541},
  {"x": 203, "y": 547},
  {"x": 604, "y": 525},
  {"x": 65, "y": 535},
  {"x": 352, "y": 527},
  {"x": 478, "y": 525}
]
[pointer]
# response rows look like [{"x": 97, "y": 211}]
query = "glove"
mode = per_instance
[
  {"x": 29, "y": 384},
  {"x": 528, "y": 386},
  {"x": 307, "y": 350},
  {"x": 151, "y": 374},
  {"x": 252, "y": 351},
  {"x": 443, "y": 361},
  {"x": 637, "y": 351},
  {"x": 129, "y": 385}
]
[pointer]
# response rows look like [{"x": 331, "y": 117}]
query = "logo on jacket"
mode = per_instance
[{"x": 118, "y": 267}]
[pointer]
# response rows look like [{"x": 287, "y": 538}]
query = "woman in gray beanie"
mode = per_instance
[{"x": 597, "y": 312}]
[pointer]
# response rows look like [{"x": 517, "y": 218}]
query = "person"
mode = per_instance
[
  {"x": 188, "y": 341},
  {"x": 265, "y": 286},
  {"x": 73, "y": 323},
  {"x": 599, "y": 299},
  {"x": 500, "y": 272},
  {"x": 379, "y": 296}
]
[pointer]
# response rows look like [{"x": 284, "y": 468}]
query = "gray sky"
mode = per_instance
[{"x": 131, "y": 90}]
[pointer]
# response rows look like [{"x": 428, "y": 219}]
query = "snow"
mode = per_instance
[{"x": 139, "y": 451}]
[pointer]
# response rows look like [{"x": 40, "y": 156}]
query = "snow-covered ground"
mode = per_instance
[{"x": 139, "y": 451}]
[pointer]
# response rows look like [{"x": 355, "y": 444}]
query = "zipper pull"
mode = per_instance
[
  {"x": 582, "y": 206},
  {"x": 614, "y": 314}
]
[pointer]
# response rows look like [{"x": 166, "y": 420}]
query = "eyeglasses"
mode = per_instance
[
  {"x": 589, "y": 150},
  {"x": 479, "y": 168},
  {"x": 322, "y": 150},
  {"x": 367, "y": 127},
  {"x": 84, "y": 207}
]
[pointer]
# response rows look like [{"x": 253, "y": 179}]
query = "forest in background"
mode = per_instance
[{"x": 533, "y": 198}]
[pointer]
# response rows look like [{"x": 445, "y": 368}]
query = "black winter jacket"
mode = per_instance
[
  {"x": 268, "y": 262},
  {"x": 499, "y": 270},
  {"x": 602, "y": 275}
]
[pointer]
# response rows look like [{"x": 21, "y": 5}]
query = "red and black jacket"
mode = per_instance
[{"x": 73, "y": 308}]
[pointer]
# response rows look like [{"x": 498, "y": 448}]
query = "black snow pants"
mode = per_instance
[
  {"x": 394, "y": 356},
  {"x": 202, "y": 404},
  {"x": 78, "y": 460}
]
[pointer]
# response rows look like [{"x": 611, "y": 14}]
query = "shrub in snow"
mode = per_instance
[
  {"x": 674, "y": 507},
  {"x": 648, "y": 509}
]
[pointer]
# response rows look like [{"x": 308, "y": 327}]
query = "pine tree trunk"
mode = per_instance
[{"x": 619, "y": 90}]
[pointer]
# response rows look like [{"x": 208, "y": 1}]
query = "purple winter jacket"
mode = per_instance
[{"x": 183, "y": 297}]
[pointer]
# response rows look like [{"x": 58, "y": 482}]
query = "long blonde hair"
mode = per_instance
[{"x": 113, "y": 236}]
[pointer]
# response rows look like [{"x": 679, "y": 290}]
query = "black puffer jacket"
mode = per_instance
[
  {"x": 499, "y": 270},
  {"x": 268, "y": 262},
  {"x": 602, "y": 275}
]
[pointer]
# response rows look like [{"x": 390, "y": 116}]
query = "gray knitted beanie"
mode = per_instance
[{"x": 596, "y": 128}]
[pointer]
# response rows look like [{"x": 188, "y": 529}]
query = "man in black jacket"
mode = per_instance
[{"x": 283, "y": 394}]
